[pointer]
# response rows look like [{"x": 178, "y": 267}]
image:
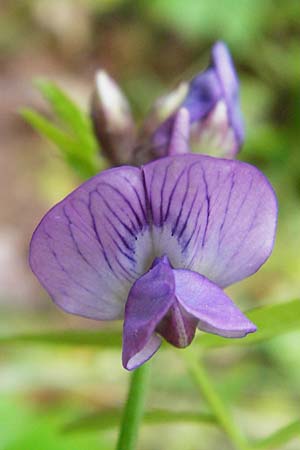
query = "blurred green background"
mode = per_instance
[{"x": 147, "y": 46}]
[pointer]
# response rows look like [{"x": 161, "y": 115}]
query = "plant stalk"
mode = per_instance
[
  {"x": 203, "y": 380},
  {"x": 134, "y": 408}
]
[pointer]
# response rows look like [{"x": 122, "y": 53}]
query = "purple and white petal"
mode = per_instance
[
  {"x": 228, "y": 78},
  {"x": 90, "y": 248},
  {"x": 214, "y": 216},
  {"x": 149, "y": 300},
  {"x": 212, "y": 100},
  {"x": 221, "y": 132},
  {"x": 203, "y": 93},
  {"x": 210, "y": 305}
]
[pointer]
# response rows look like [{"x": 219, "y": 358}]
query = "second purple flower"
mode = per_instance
[{"x": 214, "y": 123}]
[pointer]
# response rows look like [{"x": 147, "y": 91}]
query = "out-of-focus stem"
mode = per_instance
[
  {"x": 203, "y": 381},
  {"x": 134, "y": 408}
]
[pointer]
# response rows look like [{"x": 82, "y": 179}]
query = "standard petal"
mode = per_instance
[
  {"x": 213, "y": 216},
  {"x": 210, "y": 305},
  {"x": 150, "y": 298},
  {"x": 90, "y": 248}
]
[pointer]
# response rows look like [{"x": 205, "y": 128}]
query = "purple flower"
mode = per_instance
[
  {"x": 213, "y": 118},
  {"x": 212, "y": 101},
  {"x": 156, "y": 245}
]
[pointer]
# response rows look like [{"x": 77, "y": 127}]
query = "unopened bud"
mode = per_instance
[
  {"x": 112, "y": 120},
  {"x": 162, "y": 110},
  {"x": 164, "y": 107}
]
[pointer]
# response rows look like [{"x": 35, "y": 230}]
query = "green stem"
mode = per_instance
[
  {"x": 134, "y": 408},
  {"x": 203, "y": 381}
]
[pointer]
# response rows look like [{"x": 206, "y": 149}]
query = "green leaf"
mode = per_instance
[
  {"x": 63, "y": 106},
  {"x": 70, "y": 130},
  {"x": 91, "y": 338},
  {"x": 70, "y": 149},
  {"x": 52, "y": 132},
  {"x": 271, "y": 321},
  {"x": 106, "y": 419},
  {"x": 70, "y": 114},
  {"x": 280, "y": 437}
]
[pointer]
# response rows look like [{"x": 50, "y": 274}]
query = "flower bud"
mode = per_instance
[
  {"x": 212, "y": 101},
  {"x": 112, "y": 120},
  {"x": 164, "y": 107}
]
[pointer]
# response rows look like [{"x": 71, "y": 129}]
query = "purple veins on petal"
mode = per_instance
[
  {"x": 156, "y": 245},
  {"x": 93, "y": 235},
  {"x": 233, "y": 217}
]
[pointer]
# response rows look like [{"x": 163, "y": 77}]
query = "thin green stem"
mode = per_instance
[
  {"x": 203, "y": 381},
  {"x": 134, "y": 408}
]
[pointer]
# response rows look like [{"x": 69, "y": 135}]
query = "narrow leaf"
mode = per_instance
[
  {"x": 50, "y": 131},
  {"x": 70, "y": 149},
  {"x": 91, "y": 338},
  {"x": 271, "y": 321},
  {"x": 70, "y": 114},
  {"x": 280, "y": 437},
  {"x": 104, "y": 420},
  {"x": 63, "y": 106}
]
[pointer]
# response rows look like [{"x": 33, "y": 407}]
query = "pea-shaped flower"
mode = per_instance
[
  {"x": 212, "y": 101},
  {"x": 155, "y": 246}
]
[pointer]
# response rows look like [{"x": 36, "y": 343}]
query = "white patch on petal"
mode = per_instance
[
  {"x": 157, "y": 243},
  {"x": 144, "y": 251},
  {"x": 166, "y": 244}
]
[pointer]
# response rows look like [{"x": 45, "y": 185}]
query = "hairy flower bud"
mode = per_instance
[{"x": 112, "y": 119}]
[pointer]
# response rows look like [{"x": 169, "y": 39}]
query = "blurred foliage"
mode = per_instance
[
  {"x": 271, "y": 321},
  {"x": 106, "y": 419},
  {"x": 148, "y": 47},
  {"x": 74, "y": 137}
]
